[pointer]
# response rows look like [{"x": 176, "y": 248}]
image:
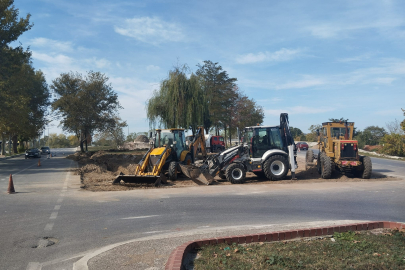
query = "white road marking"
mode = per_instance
[
  {"x": 203, "y": 227},
  {"x": 54, "y": 215},
  {"x": 57, "y": 207},
  {"x": 140, "y": 217},
  {"x": 49, "y": 227},
  {"x": 33, "y": 266},
  {"x": 60, "y": 200}
]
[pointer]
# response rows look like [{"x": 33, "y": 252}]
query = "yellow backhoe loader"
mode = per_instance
[{"x": 168, "y": 150}]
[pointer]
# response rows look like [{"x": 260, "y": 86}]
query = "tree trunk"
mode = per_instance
[
  {"x": 14, "y": 139},
  {"x": 85, "y": 134},
  {"x": 81, "y": 143},
  {"x": 3, "y": 143},
  {"x": 225, "y": 136}
]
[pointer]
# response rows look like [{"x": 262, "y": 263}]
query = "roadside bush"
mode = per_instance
[
  {"x": 21, "y": 148},
  {"x": 393, "y": 144}
]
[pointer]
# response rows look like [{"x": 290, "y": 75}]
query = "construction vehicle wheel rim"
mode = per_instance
[
  {"x": 237, "y": 174},
  {"x": 277, "y": 167}
]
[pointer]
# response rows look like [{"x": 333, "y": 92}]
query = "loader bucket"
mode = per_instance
[
  {"x": 141, "y": 179},
  {"x": 200, "y": 177}
]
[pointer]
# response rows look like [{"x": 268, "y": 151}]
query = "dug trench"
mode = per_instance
[{"x": 97, "y": 171}]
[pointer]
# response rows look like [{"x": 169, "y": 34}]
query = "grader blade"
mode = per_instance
[
  {"x": 140, "y": 179},
  {"x": 200, "y": 177}
]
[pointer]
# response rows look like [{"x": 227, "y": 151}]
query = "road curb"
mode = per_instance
[
  {"x": 175, "y": 261},
  {"x": 19, "y": 155}
]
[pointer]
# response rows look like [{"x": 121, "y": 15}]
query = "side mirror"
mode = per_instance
[
  {"x": 317, "y": 132},
  {"x": 150, "y": 135}
]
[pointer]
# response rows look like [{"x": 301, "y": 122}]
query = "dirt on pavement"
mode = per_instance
[{"x": 97, "y": 171}]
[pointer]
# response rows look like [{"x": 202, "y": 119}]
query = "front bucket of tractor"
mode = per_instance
[
  {"x": 199, "y": 176},
  {"x": 141, "y": 179}
]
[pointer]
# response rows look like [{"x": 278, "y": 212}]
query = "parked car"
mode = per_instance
[
  {"x": 33, "y": 152},
  {"x": 302, "y": 146},
  {"x": 45, "y": 150}
]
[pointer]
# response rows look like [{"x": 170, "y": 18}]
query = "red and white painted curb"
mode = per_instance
[{"x": 176, "y": 257}]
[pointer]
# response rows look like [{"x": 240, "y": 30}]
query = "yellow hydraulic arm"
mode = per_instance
[{"x": 199, "y": 140}]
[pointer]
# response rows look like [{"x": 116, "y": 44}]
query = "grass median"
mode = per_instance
[{"x": 378, "y": 249}]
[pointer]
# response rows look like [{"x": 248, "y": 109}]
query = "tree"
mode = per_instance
[
  {"x": 115, "y": 131},
  {"x": 73, "y": 141},
  {"x": 11, "y": 28},
  {"x": 372, "y": 135},
  {"x": 247, "y": 113},
  {"x": 393, "y": 144},
  {"x": 394, "y": 127},
  {"x": 179, "y": 102},
  {"x": 131, "y": 137},
  {"x": 313, "y": 136},
  {"x": 296, "y": 132},
  {"x": 221, "y": 93},
  {"x": 84, "y": 104},
  {"x": 11, "y": 59}
]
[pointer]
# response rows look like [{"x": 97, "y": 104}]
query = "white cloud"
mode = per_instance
[
  {"x": 355, "y": 59},
  {"x": 59, "y": 59},
  {"x": 99, "y": 63},
  {"x": 298, "y": 110},
  {"x": 150, "y": 30},
  {"x": 54, "y": 45},
  {"x": 301, "y": 84},
  {"x": 152, "y": 68},
  {"x": 343, "y": 28},
  {"x": 278, "y": 56}
]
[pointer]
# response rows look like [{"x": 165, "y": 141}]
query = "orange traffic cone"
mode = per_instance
[
  {"x": 10, "y": 189},
  {"x": 39, "y": 162}
]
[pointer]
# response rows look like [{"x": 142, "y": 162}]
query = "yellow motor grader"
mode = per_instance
[
  {"x": 168, "y": 150},
  {"x": 338, "y": 150}
]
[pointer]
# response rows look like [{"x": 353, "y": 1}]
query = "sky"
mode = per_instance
[{"x": 312, "y": 59}]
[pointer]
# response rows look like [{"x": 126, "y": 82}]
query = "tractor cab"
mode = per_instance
[
  {"x": 172, "y": 138},
  {"x": 260, "y": 139}
]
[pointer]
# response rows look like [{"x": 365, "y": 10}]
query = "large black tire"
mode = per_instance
[
  {"x": 326, "y": 166},
  {"x": 318, "y": 163},
  {"x": 222, "y": 175},
  {"x": 173, "y": 170},
  {"x": 235, "y": 173},
  {"x": 276, "y": 167},
  {"x": 309, "y": 156},
  {"x": 366, "y": 168}
]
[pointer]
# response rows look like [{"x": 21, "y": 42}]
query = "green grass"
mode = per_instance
[{"x": 349, "y": 251}]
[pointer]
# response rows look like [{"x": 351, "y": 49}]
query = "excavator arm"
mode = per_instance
[
  {"x": 289, "y": 141},
  {"x": 198, "y": 141}
]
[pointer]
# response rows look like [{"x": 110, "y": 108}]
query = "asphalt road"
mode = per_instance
[{"x": 49, "y": 207}]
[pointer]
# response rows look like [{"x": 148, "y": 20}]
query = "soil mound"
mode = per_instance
[{"x": 141, "y": 138}]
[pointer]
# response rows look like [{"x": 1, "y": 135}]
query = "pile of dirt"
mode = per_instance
[
  {"x": 376, "y": 148},
  {"x": 99, "y": 169},
  {"x": 142, "y": 138}
]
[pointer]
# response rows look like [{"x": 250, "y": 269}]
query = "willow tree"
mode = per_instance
[{"x": 179, "y": 102}]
